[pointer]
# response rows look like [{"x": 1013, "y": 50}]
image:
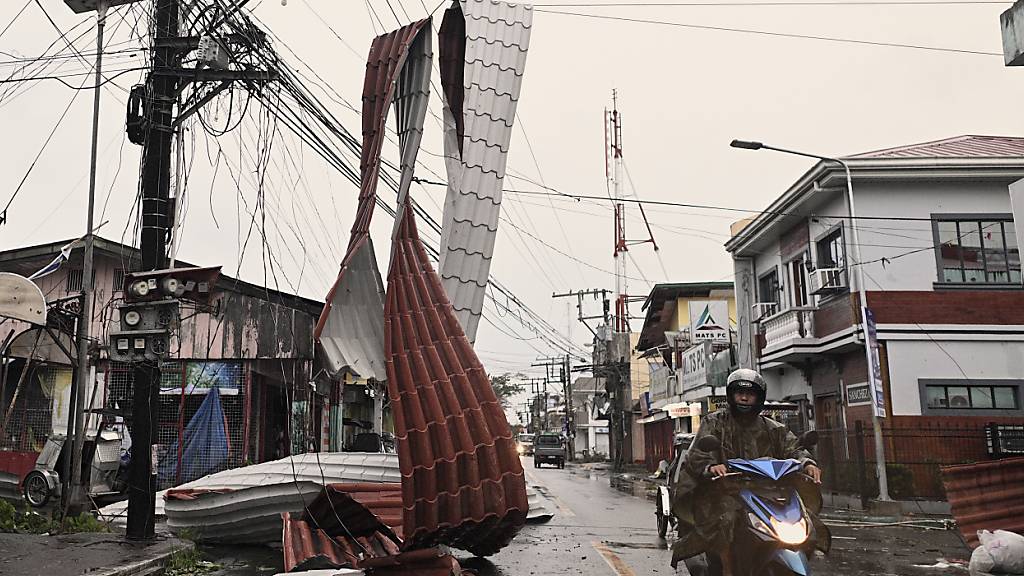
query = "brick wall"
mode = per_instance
[
  {"x": 948, "y": 307},
  {"x": 834, "y": 315},
  {"x": 794, "y": 240}
]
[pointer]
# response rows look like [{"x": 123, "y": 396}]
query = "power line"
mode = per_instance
[
  {"x": 770, "y": 33},
  {"x": 695, "y": 206}
]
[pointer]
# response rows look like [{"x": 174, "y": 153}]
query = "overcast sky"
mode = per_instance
[{"x": 684, "y": 93}]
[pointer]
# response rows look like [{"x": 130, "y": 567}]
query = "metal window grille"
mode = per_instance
[
  {"x": 31, "y": 416},
  {"x": 191, "y": 446},
  {"x": 74, "y": 282},
  {"x": 118, "y": 280}
]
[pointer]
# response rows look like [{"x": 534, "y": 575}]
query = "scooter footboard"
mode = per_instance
[{"x": 792, "y": 560}]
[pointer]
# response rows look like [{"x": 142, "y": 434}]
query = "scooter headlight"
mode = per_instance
[{"x": 787, "y": 533}]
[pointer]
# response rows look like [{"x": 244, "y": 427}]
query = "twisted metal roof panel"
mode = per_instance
[
  {"x": 484, "y": 45},
  {"x": 350, "y": 329},
  {"x": 462, "y": 482}
]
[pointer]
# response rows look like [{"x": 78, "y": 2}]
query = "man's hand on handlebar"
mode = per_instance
[
  {"x": 814, "y": 472},
  {"x": 717, "y": 471}
]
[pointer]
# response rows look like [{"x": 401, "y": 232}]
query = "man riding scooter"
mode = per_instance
[{"x": 709, "y": 515}]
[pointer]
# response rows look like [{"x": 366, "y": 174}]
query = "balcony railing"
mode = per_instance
[{"x": 788, "y": 325}]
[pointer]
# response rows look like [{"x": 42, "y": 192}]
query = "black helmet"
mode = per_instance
[{"x": 749, "y": 380}]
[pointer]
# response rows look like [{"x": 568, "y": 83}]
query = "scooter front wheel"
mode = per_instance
[
  {"x": 662, "y": 525},
  {"x": 37, "y": 490}
]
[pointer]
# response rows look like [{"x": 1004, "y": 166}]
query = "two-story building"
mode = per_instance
[
  {"x": 941, "y": 265},
  {"x": 687, "y": 340}
]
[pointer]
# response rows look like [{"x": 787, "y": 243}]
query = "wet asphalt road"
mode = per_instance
[
  {"x": 600, "y": 530},
  {"x": 596, "y": 530}
]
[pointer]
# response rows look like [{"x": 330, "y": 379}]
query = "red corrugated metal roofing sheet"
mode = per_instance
[
  {"x": 957, "y": 147},
  {"x": 986, "y": 496},
  {"x": 364, "y": 507},
  {"x": 463, "y": 484},
  {"x": 308, "y": 547},
  {"x": 345, "y": 527}
]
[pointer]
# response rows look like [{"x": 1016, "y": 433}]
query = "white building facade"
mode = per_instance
[{"x": 941, "y": 265}]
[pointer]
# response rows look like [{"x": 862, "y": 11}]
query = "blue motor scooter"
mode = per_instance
[{"x": 775, "y": 529}]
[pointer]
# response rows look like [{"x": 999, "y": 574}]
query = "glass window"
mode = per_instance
[
  {"x": 978, "y": 397},
  {"x": 831, "y": 253},
  {"x": 978, "y": 251},
  {"x": 936, "y": 396},
  {"x": 949, "y": 253},
  {"x": 1012, "y": 253},
  {"x": 1005, "y": 397},
  {"x": 981, "y": 397},
  {"x": 958, "y": 397},
  {"x": 798, "y": 282},
  {"x": 768, "y": 287}
]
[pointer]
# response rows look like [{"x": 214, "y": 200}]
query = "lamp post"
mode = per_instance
[{"x": 883, "y": 483}]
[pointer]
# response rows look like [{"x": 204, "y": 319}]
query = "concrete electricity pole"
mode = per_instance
[{"x": 163, "y": 85}]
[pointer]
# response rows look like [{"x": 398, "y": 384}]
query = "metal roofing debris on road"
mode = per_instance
[
  {"x": 330, "y": 467},
  {"x": 986, "y": 496},
  {"x": 351, "y": 330},
  {"x": 483, "y": 47}
]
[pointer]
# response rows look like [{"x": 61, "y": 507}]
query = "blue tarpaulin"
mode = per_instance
[{"x": 204, "y": 444}]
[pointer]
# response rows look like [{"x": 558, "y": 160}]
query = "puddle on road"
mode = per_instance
[{"x": 632, "y": 487}]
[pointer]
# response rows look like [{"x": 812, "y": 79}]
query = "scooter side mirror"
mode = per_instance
[
  {"x": 709, "y": 444},
  {"x": 809, "y": 439}
]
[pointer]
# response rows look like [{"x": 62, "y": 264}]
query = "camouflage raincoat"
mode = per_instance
[{"x": 706, "y": 515}]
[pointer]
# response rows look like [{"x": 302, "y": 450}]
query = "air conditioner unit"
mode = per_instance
[
  {"x": 825, "y": 280},
  {"x": 762, "y": 310}
]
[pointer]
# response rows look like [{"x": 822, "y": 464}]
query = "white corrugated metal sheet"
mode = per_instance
[
  {"x": 353, "y": 334},
  {"x": 412, "y": 97},
  {"x": 497, "y": 40},
  {"x": 245, "y": 516},
  {"x": 329, "y": 467}
]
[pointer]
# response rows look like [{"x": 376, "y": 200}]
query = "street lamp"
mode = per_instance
[{"x": 883, "y": 483}]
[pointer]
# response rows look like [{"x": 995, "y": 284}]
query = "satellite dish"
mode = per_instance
[{"x": 21, "y": 299}]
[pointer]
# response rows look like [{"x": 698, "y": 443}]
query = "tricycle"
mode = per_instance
[{"x": 104, "y": 467}]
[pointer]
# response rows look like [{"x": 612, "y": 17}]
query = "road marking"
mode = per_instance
[{"x": 618, "y": 565}]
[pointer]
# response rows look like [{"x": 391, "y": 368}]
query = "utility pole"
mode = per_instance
[
  {"x": 579, "y": 295},
  {"x": 158, "y": 126},
  {"x": 84, "y": 381}
]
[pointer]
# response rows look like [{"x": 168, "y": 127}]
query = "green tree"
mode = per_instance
[{"x": 506, "y": 386}]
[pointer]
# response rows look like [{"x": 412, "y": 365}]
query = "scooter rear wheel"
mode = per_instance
[{"x": 37, "y": 490}]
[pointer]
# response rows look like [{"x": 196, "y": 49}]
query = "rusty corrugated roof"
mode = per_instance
[
  {"x": 364, "y": 507},
  {"x": 350, "y": 329},
  {"x": 348, "y": 525},
  {"x": 462, "y": 482},
  {"x": 307, "y": 547},
  {"x": 986, "y": 496},
  {"x": 957, "y": 147},
  {"x": 483, "y": 57}
]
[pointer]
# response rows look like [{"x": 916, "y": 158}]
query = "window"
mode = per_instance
[
  {"x": 798, "y": 282},
  {"x": 118, "y": 280},
  {"x": 977, "y": 251},
  {"x": 768, "y": 287},
  {"x": 74, "y": 282},
  {"x": 831, "y": 250},
  {"x": 974, "y": 397}
]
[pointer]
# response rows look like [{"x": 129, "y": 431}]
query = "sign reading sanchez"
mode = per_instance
[{"x": 709, "y": 321}]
